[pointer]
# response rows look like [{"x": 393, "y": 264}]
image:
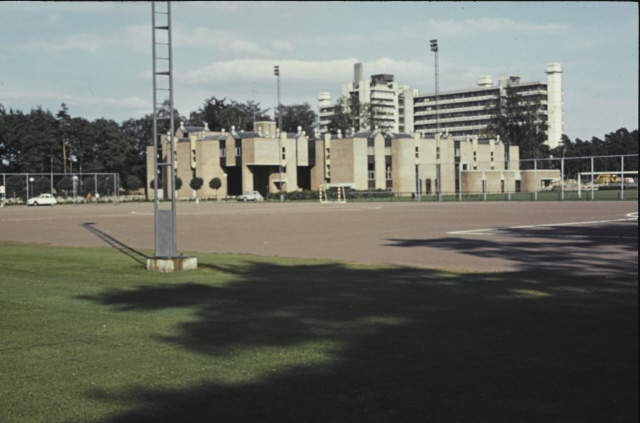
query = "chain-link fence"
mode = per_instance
[
  {"x": 19, "y": 188},
  {"x": 553, "y": 179}
]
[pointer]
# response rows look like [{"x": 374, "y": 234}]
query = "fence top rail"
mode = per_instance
[
  {"x": 528, "y": 160},
  {"x": 58, "y": 174}
]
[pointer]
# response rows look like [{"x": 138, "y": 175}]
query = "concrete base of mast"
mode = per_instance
[{"x": 172, "y": 264}]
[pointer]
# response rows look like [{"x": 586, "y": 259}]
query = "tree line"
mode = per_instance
[{"x": 41, "y": 142}]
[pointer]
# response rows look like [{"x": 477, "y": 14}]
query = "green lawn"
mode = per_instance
[{"x": 88, "y": 335}]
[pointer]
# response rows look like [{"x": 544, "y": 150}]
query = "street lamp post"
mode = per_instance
[
  {"x": 226, "y": 183},
  {"x": 75, "y": 190},
  {"x": 276, "y": 72},
  {"x": 31, "y": 180}
]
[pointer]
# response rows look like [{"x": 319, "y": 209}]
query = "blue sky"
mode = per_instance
[{"x": 96, "y": 57}]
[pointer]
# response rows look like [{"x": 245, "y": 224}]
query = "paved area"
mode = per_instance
[{"x": 579, "y": 238}]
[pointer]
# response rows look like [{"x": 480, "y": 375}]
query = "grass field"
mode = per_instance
[{"x": 87, "y": 335}]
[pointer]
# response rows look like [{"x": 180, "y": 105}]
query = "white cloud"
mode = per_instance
[
  {"x": 85, "y": 41},
  {"x": 260, "y": 69},
  {"x": 282, "y": 46}
]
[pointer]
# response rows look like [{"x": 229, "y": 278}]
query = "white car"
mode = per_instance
[
  {"x": 250, "y": 196},
  {"x": 42, "y": 200}
]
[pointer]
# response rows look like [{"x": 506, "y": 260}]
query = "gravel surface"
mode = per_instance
[{"x": 588, "y": 237}]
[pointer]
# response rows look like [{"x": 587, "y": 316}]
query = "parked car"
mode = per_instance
[
  {"x": 42, "y": 200},
  {"x": 250, "y": 196}
]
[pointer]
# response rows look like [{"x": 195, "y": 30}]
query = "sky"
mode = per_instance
[{"x": 97, "y": 57}]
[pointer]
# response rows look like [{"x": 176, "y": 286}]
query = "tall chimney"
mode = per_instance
[{"x": 357, "y": 74}]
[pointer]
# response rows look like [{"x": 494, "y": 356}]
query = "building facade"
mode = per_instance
[
  {"x": 382, "y": 92},
  {"x": 460, "y": 113},
  {"x": 265, "y": 161}
]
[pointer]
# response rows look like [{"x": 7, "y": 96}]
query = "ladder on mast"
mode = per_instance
[{"x": 163, "y": 164}]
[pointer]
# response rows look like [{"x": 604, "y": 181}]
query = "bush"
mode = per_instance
[
  {"x": 196, "y": 183},
  {"x": 160, "y": 184},
  {"x": 215, "y": 183}
]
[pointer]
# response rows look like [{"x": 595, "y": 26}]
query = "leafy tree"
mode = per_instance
[
  {"x": 178, "y": 183},
  {"x": 89, "y": 185},
  {"x": 65, "y": 185},
  {"x": 215, "y": 184},
  {"x": 519, "y": 121},
  {"x": 140, "y": 134},
  {"x": 16, "y": 186},
  {"x": 218, "y": 114},
  {"x": 106, "y": 185},
  {"x": 196, "y": 183},
  {"x": 38, "y": 142},
  {"x": 41, "y": 186},
  {"x": 350, "y": 113},
  {"x": 82, "y": 145},
  {"x": 614, "y": 144},
  {"x": 133, "y": 183},
  {"x": 298, "y": 115},
  {"x": 14, "y": 127},
  {"x": 112, "y": 149}
]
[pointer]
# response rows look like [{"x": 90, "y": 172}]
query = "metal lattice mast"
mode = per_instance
[{"x": 165, "y": 220}]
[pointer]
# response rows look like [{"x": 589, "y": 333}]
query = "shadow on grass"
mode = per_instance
[
  {"x": 590, "y": 250},
  {"x": 123, "y": 248},
  {"x": 407, "y": 345}
]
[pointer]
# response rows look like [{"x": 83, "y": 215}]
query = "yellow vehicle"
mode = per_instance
[{"x": 605, "y": 179}]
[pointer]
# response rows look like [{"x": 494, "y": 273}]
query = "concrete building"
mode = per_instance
[
  {"x": 459, "y": 113},
  {"x": 382, "y": 92},
  {"x": 243, "y": 161},
  {"x": 366, "y": 160}
]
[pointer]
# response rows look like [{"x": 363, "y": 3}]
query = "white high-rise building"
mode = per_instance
[
  {"x": 459, "y": 113},
  {"x": 465, "y": 112},
  {"x": 382, "y": 92}
]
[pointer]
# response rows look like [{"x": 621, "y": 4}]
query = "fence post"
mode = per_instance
[
  {"x": 484, "y": 181},
  {"x": 535, "y": 178},
  {"x": 592, "y": 178},
  {"x": 622, "y": 178},
  {"x": 459, "y": 181},
  {"x": 509, "y": 179},
  {"x": 26, "y": 201},
  {"x": 562, "y": 178}
]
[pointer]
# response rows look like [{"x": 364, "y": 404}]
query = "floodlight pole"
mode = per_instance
[
  {"x": 276, "y": 72},
  {"x": 434, "y": 48}
]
